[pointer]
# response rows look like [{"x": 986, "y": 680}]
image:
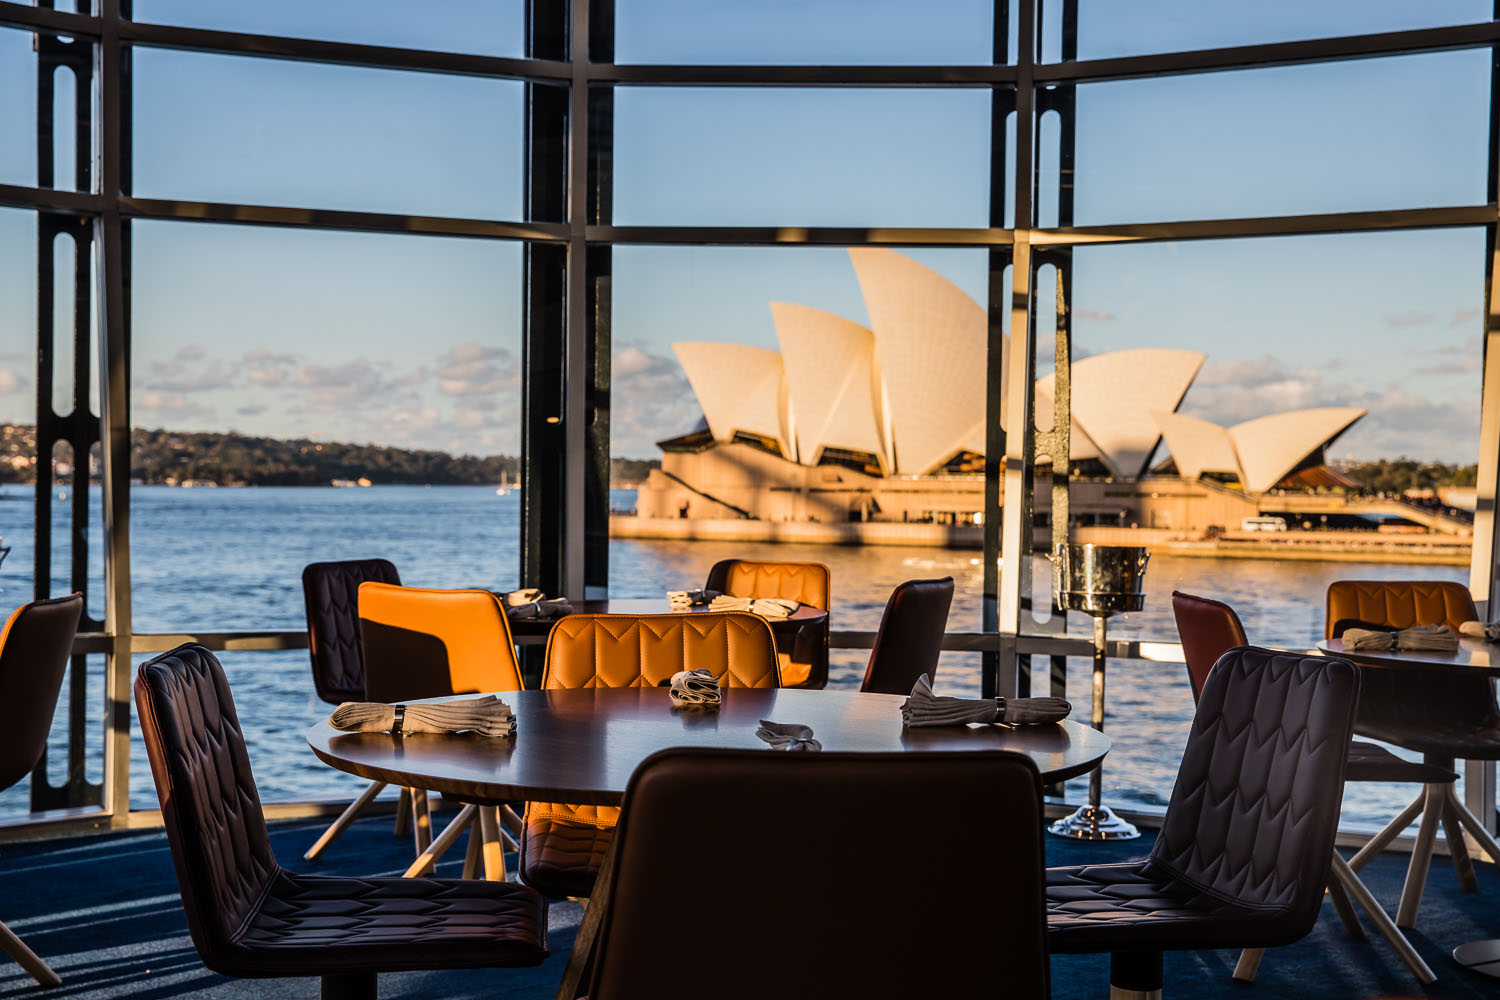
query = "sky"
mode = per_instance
[{"x": 415, "y": 341}]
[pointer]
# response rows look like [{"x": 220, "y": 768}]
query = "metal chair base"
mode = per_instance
[
  {"x": 1093, "y": 823},
  {"x": 1482, "y": 957}
]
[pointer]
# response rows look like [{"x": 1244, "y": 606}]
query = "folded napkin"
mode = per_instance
[
  {"x": 923, "y": 708},
  {"x": 487, "y": 716},
  {"x": 1431, "y": 637},
  {"x": 681, "y": 600},
  {"x": 555, "y": 608},
  {"x": 695, "y": 687},
  {"x": 787, "y": 735},
  {"x": 1479, "y": 630},
  {"x": 766, "y": 607},
  {"x": 526, "y": 595}
]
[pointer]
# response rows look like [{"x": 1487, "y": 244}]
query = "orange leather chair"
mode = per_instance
[
  {"x": 562, "y": 846},
  {"x": 805, "y": 583},
  {"x": 422, "y": 643},
  {"x": 1444, "y": 716}
]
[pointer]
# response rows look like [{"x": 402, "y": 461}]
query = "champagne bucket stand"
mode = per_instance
[{"x": 1100, "y": 581}]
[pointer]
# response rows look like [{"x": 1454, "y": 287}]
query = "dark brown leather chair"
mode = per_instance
[
  {"x": 1444, "y": 716},
  {"x": 35, "y": 647},
  {"x": 748, "y": 887},
  {"x": 910, "y": 636},
  {"x": 1243, "y": 853},
  {"x": 563, "y": 845},
  {"x": 330, "y": 592},
  {"x": 803, "y": 656},
  {"x": 251, "y": 918},
  {"x": 1209, "y": 629}
]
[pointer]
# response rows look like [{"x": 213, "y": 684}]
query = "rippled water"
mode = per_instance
[{"x": 224, "y": 559}]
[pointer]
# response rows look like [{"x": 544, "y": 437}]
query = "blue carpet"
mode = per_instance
[{"x": 105, "y": 913}]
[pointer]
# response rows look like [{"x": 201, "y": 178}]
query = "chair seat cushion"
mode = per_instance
[
  {"x": 312, "y": 925},
  {"x": 1456, "y": 739},
  {"x": 1143, "y": 905},
  {"x": 561, "y": 852},
  {"x": 1371, "y": 762}
]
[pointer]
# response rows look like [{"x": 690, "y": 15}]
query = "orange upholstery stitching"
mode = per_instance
[{"x": 1399, "y": 603}]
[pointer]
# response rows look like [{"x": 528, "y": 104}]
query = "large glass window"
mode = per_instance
[{"x": 18, "y": 110}]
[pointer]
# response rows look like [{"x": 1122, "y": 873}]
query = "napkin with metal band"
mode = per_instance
[
  {"x": 1489, "y": 632},
  {"x": 487, "y": 716},
  {"x": 787, "y": 736},
  {"x": 529, "y": 602},
  {"x": 682, "y": 600},
  {"x": 695, "y": 687},
  {"x": 766, "y": 607},
  {"x": 1439, "y": 638},
  {"x": 923, "y": 708}
]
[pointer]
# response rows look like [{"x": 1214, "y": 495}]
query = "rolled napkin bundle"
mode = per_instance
[
  {"x": 1479, "y": 630},
  {"x": 526, "y": 595},
  {"x": 487, "y": 716},
  {"x": 555, "y": 608},
  {"x": 1439, "y": 638},
  {"x": 787, "y": 735},
  {"x": 766, "y": 607},
  {"x": 695, "y": 687},
  {"x": 681, "y": 600},
  {"x": 923, "y": 708}
]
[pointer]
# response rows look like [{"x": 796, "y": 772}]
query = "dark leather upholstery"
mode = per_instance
[
  {"x": 250, "y": 917},
  {"x": 828, "y": 912},
  {"x": 35, "y": 647},
  {"x": 1209, "y": 628},
  {"x": 331, "y": 591},
  {"x": 1242, "y": 857},
  {"x": 803, "y": 655},
  {"x": 910, "y": 636}
]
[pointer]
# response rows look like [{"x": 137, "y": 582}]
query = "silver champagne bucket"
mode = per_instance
[{"x": 1100, "y": 579}]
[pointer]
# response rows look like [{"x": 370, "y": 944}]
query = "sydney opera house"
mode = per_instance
[{"x": 840, "y": 425}]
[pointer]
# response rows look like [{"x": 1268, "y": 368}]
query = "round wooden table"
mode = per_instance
[{"x": 581, "y": 745}]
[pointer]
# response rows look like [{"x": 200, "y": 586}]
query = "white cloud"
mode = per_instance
[
  {"x": 12, "y": 380},
  {"x": 651, "y": 400}
]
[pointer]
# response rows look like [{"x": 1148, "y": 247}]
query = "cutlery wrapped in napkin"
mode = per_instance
[
  {"x": 787, "y": 735},
  {"x": 923, "y": 708},
  {"x": 1439, "y": 638},
  {"x": 695, "y": 687},
  {"x": 682, "y": 600},
  {"x": 767, "y": 607},
  {"x": 487, "y": 716},
  {"x": 1479, "y": 630},
  {"x": 555, "y": 608},
  {"x": 526, "y": 595}
]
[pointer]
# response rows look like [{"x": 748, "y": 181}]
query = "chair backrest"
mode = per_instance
[
  {"x": 35, "y": 647},
  {"x": 209, "y": 804},
  {"x": 910, "y": 636},
  {"x": 1208, "y": 629},
  {"x": 422, "y": 643},
  {"x": 331, "y": 592},
  {"x": 646, "y": 650},
  {"x": 805, "y": 663},
  {"x": 1256, "y": 805},
  {"x": 1399, "y": 603},
  {"x": 702, "y": 850}
]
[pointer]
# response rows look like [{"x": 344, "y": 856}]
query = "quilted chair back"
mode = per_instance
[
  {"x": 739, "y": 801},
  {"x": 804, "y": 664},
  {"x": 1256, "y": 805},
  {"x": 1399, "y": 603},
  {"x": 35, "y": 647},
  {"x": 428, "y": 643},
  {"x": 209, "y": 804},
  {"x": 331, "y": 592},
  {"x": 1208, "y": 629},
  {"x": 620, "y": 651},
  {"x": 910, "y": 637}
]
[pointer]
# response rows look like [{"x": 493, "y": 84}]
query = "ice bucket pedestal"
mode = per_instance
[{"x": 1100, "y": 581}]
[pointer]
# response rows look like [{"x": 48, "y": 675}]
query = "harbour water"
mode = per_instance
[{"x": 227, "y": 559}]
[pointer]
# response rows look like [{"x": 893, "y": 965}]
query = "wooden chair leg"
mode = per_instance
[
  {"x": 492, "y": 850},
  {"x": 474, "y": 854},
  {"x": 421, "y": 824},
  {"x": 1471, "y": 823},
  {"x": 1458, "y": 851},
  {"x": 1345, "y": 909},
  {"x": 1390, "y": 832},
  {"x": 338, "y": 826},
  {"x": 28, "y": 960},
  {"x": 1245, "y": 968},
  {"x": 427, "y": 860},
  {"x": 1421, "y": 856},
  {"x": 403, "y": 814},
  {"x": 1361, "y": 895}
]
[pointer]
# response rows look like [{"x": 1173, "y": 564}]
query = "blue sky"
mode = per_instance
[{"x": 415, "y": 340}]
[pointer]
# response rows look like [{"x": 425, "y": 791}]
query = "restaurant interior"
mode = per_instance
[{"x": 732, "y": 778}]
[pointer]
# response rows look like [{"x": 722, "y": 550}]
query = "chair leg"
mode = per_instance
[
  {"x": 474, "y": 853},
  {"x": 1421, "y": 856},
  {"x": 1471, "y": 823},
  {"x": 403, "y": 814},
  {"x": 338, "y": 826},
  {"x": 1135, "y": 975},
  {"x": 1390, "y": 832},
  {"x": 349, "y": 986},
  {"x": 26, "y": 958},
  {"x": 1244, "y": 969},
  {"x": 1345, "y": 909},
  {"x": 421, "y": 824},
  {"x": 428, "y": 858},
  {"x": 1458, "y": 851},
  {"x": 492, "y": 851},
  {"x": 1361, "y": 895}
]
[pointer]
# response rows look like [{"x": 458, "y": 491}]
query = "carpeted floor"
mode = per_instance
[{"x": 104, "y": 911}]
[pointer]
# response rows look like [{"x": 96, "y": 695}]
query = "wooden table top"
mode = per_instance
[
  {"x": 581, "y": 745},
  {"x": 533, "y": 627},
  {"x": 1472, "y": 656}
]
